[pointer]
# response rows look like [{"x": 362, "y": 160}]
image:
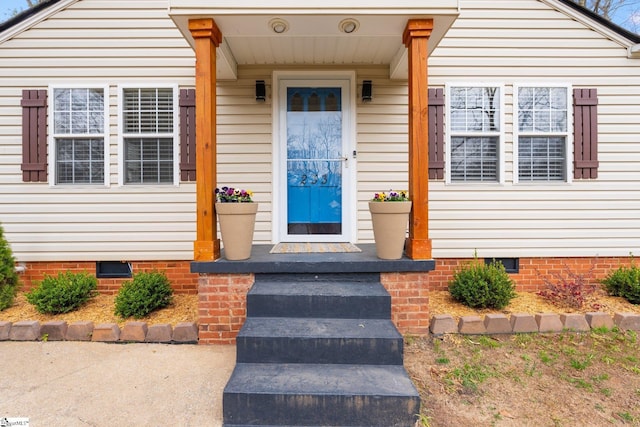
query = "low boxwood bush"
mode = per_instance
[
  {"x": 8, "y": 276},
  {"x": 148, "y": 291},
  {"x": 479, "y": 285},
  {"x": 63, "y": 293},
  {"x": 624, "y": 282}
]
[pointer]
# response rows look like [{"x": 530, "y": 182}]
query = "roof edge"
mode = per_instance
[
  {"x": 26, "y": 14},
  {"x": 631, "y": 36}
]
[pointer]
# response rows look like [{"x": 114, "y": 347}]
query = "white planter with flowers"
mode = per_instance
[
  {"x": 390, "y": 218},
  {"x": 236, "y": 213}
]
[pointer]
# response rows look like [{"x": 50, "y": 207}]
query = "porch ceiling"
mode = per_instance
[{"x": 313, "y": 35}]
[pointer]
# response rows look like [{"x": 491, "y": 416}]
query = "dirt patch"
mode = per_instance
[
  {"x": 565, "y": 379},
  {"x": 100, "y": 309}
]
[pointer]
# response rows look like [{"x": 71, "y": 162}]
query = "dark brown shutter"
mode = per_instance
[
  {"x": 436, "y": 134},
  {"x": 585, "y": 133},
  {"x": 34, "y": 135},
  {"x": 187, "y": 134}
]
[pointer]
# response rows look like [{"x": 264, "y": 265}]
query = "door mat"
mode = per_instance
[{"x": 307, "y": 248}]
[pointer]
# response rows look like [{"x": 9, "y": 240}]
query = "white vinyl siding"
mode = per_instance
[
  {"x": 527, "y": 43},
  {"x": 505, "y": 43},
  {"x": 245, "y": 143},
  {"x": 94, "y": 43},
  {"x": 382, "y": 142}
]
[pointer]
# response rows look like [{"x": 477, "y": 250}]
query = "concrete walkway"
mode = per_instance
[{"x": 96, "y": 384}]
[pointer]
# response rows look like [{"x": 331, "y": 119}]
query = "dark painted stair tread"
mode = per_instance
[
  {"x": 324, "y": 340},
  {"x": 326, "y": 299},
  {"x": 318, "y": 288},
  {"x": 319, "y": 328},
  {"x": 319, "y": 379}
]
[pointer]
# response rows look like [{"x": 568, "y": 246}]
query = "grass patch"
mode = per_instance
[
  {"x": 626, "y": 416},
  {"x": 489, "y": 342},
  {"x": 582, "y": 364},
  {"x": 581, "y": 384},
  {"x": 547, "y": 358},
  {"x": 471, "y": 376}
]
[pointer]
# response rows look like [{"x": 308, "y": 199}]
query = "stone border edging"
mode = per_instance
[
  {"x": 132, "y": 332},
  {"x": 530, "y": 323}
]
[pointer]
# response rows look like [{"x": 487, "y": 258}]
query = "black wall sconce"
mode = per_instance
[
  {"x": 367, "y": 91},
  {"x": 261, "y": 91}
]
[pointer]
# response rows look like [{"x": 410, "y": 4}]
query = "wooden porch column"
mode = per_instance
[
  {"x": 207, "y": 38},
  {"x": 416, "y": 38}
]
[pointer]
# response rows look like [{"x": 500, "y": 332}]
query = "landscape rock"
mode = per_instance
[
  {"x": 53, "y": 331},
  {"x": 471, "y": 325},
  {"x": 497, "y": 324},
  {"x": 549, "y": 322},
  {"x": 106, "y": 332},
  {"x": 185, "y": 332},
  {"x": 26, "y": 330},
  {"x": 443, "y": 324},
  {"x": 80, "y": 331}
]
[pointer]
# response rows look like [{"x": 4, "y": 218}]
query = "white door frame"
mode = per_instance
[{"x": 280, "y": 81}]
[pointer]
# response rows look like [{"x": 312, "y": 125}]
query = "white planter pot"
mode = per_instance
[
  {"x": 237, "y": 222},
  {"x": 390, "y": 221}
]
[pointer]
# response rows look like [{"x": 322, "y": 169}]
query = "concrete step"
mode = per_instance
[
  {"x": 318, "y": 394},
  {"x": 307, "y": 340},
  {"x": 319, "y": 296}
]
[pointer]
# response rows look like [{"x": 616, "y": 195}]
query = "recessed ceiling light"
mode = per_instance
[
  {"x": 279, "y": 26},
  {"x": 349, "y": 25}
]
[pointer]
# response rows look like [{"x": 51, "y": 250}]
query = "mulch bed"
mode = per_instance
[
  {"x": 100, "y": 309},
  {"x": 441, "y": 302},
  {"x": 185, "y": 308}
]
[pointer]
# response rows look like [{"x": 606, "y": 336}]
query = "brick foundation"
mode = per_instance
[
  {"x": 178, "y": 273},
  {"x": 222, "y": 297},
  {"x": 532, "y": 270}
]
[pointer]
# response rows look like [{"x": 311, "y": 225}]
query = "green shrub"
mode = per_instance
[
  {"x": 63, "y": 293},
  {"x": 624, "y": 282},
  {"x": 479, "y": 285},
  {"x": 8, "y": 275},
  {"x": 148, "y": 291}
]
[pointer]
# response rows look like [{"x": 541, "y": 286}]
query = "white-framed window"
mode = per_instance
[
  {"x": 542, "y": 137},
  {"x": 79, "y": 123},
  {"x": 149, "y": 132},
  {"x": 475, "y": 133}
]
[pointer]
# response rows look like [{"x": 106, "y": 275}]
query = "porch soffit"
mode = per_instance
[{"x": 313, "y": 36}]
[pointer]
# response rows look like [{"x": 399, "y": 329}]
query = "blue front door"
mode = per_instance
[{"x": 314, "y": 161}]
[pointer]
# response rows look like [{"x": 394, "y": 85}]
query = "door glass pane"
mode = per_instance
[{"x": 314, "y": 160}]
